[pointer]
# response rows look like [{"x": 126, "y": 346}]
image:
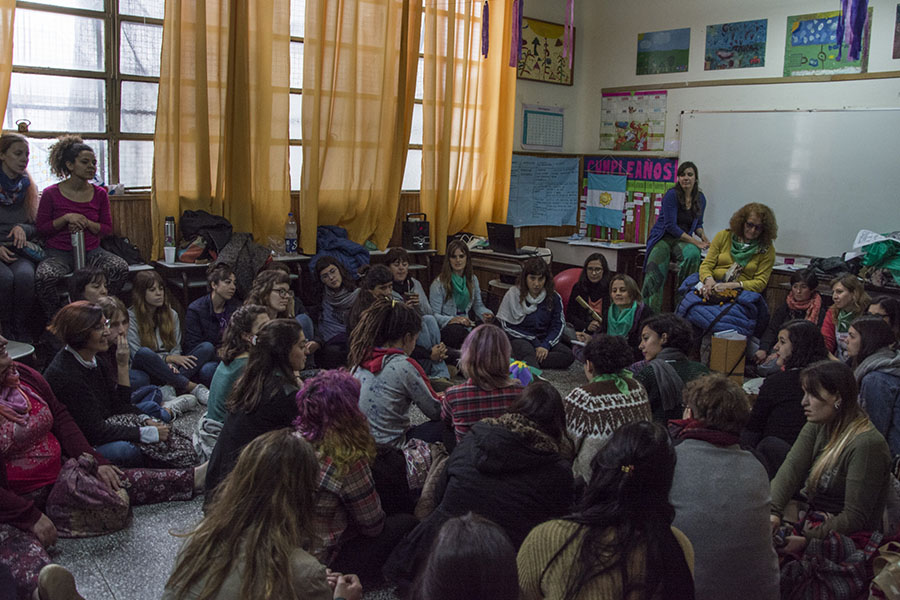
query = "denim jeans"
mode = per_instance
[
  {"x": 149, "y": 400},
  {"x": 152, "y": 365},
  {"x": 121, "y": 453},
  {"x": 431, "y": 336}
]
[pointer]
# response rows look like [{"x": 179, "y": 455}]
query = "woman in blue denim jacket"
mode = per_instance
[{"x": 875, "y": 358}]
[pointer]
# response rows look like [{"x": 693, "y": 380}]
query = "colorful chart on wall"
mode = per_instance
[
  {"x": 542, "y": 57},
  {"x": 811, "y": 46},
  {"x": 663, "y": 51},
  {"x": 633, "y": 121},
  {"x": 897, "y": 34},
  {"x": 736, "y": 45}
]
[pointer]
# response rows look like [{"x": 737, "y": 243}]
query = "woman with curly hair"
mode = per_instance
[
  {"x": 351, "y": 533},
  {"x": 250, "y": 543},
  {"x": 272, "y": 288},
  {"x": 742, "y": 256},
  {"x": 456, "y": 296},
  {"x": 619, "y": 542},
  {"x": 850, "y": 301},
  {"x": 338, "y": 292},
  {"x": 74, "y": 204}
]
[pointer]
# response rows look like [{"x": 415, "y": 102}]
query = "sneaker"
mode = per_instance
[
  {"x": 202, "y": 393},
  {"x": 168, "y": 393},
  {"x": 57, "y": 583},
  {"x": 181, "y": 405}
]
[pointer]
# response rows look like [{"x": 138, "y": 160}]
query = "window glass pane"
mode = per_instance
[
  {"x": 420, "y": 80},
  {"x": 412, "y": 176},
  {"x": 143, "y": 8},
  {"x": 54, "y": 103},
  {"x": 135, "y": 163},
  {"x": 296, "y": 128},
  {"x": 298, "y": 17},
  {"x": 39, "y": 168},
  {"x": 140, "y": 48},
  {"x": 139, "y": 106},
  {"x": 415, "y": 134},
  {"x": 296, "y": 166},
  {"x": 44, "y": 39},
  {"x": 86, "y": 4},
  {"x": 296, "y": 64}
]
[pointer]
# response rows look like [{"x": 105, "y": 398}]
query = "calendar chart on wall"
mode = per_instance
[{"x": 542, "y": 127}]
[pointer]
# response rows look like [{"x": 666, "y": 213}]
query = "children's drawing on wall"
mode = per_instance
[
  {"x": 736, "y": 45},
  {"x": 542, "y": 57},
  {"x": 897, "y": 34},
  {"x": 633, "y": 121},
  {"x": 812, "y": 48},
  {"x": 663, "y": 51}
]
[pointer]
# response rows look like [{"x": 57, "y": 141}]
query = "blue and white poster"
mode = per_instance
[{"x": 543, "y": 191}]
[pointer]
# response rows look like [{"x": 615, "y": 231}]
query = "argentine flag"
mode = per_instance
[{"x": 605, "y": 200}]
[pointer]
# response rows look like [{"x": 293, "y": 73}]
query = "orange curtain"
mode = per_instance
[
  {"x": 221, "y": 141},
  {"x": 359, "y": 65},
  {"x": 7, "y": 15},
  {"x": 469, "y": 114}
]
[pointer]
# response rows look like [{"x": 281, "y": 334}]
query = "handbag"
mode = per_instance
[{"x": 82, "y": 505}]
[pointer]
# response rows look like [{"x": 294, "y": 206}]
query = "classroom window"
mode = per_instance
[
  {"x": 98, "y": 78},
  {"x": 412, "y": 174},
  {"x": 295, "y": 160}
]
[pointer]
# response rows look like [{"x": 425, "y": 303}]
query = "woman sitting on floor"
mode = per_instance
[
  {"x": 489, "y": 390},
  {"x": 375, "y": 281},
  {"x": 610, "y": 399},
  {"x": 207, "y": 316},
  {"x": 103, "y": 409},
  {"x": 338, "y": 291},
  {"x": 592, "y": 287},
  {"x": 626, "y": 311},
  {"x": 875, "y": 358},
  {"x": 239, "y": 336},
  {"x": 351, "y": 531},
  {"x": 531, "y": 313},
  {"x": 456, "y": 297},
  {"x": 887, "y": 308},
  {"x": 262, "y": 400},
  {"x": 88, "y": 284},
  {"x": 250, "y": 544},
  {"x": 154, "y": 337},
  {"x": 37, "y": 434},
  {"x": 620, "y": 536},
  {"x": 850, "y": 302},
  {"x": 666, "y": 341}
]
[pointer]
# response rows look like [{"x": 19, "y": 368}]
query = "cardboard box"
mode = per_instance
[{"x": 727, "y": 354}]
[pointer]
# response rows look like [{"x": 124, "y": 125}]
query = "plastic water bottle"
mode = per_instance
[{"x": 290, "y": 235}]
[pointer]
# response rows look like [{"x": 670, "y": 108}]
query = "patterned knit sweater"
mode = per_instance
[{"x": 594, "y": 411}]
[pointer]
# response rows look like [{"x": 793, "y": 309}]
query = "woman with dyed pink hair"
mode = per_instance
[{"x": 352, "y": 533}]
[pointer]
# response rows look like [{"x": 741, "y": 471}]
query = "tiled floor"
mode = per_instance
[{"x": 135, "y": 563}]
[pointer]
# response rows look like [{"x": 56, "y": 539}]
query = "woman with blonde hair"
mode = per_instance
[
  {"x": 850, "y": 301},
  {"x": 250, "y": 544}
]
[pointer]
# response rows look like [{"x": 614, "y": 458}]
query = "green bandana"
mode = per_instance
[
  {"x": 460, "y": 292},
  {"x": 618, "y": 321},
  {"x": 620, "y": 379},
  {"x": 844, "y": 318},
  {"x": 741, "y": 252}
]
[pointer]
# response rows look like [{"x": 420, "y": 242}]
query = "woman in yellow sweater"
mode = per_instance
[
  {"x": 742, "y": 256},
  {"x": 619, "y": 542}
]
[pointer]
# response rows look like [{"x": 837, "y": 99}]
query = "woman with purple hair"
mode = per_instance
[
  {"x": 488, "y": 390},
  {"x": 351, "y": 532}
]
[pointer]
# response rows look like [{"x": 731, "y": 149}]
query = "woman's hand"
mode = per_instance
[
  {"x": 182, "y": 361},
  {"x": 348, "y": 587},
  {"x": 311, "y": 347},
  {"x": 76, "y": 221},
  {"x": 18, "y": 236},
  {"x": 775, "y": 521},
  {"x": 541, "y": 353},
  {"x": 708, "y": 284},
  {"x": 460, "y": 320},
  {"x": 794, "y": 545},
  {"x": 163, "y": 431},
  {"x": 487, "y": 317},
  {"x": 45, "y": 531},
  {"x": 702, "y": 244},
  {"x": 593, "y": 326},
  {"x": 582, "y": 337},
  {"x": 6, "y": 255},
  {"x": 412, "y": 299},
  {"x": 760, "y": 356},
  {"x": 122, "y": 351},
  {"x": 110, "y": 475},
  {"x": 438, "y": 352}
]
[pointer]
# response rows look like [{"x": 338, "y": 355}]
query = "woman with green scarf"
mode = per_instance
[
  {"x": 850, "y": 301},
  {"x": 626, "y": 311},
  {"x": 455, "y": 297},
  {"x": 611, "y": 398},
  {"x": 742, "y": 256}
]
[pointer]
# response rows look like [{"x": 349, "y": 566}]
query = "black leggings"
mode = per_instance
[
  {"x": 365, "y": 556},
  {"x": 559, "y": 357}
]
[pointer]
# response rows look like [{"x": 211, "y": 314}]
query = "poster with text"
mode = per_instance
[
  {"x": 811, "y": 46},
  {"x": 736, "y": 45},
  {"x": 633, "y": 121},
  {"x": 663, "y": 51}
]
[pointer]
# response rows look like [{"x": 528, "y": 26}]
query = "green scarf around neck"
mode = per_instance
[
  {"x": 619, "y": 321},
  {"x": 620, "y": 379},
  {"x": 460, "y": 292},
  {"x": 844, "y": 319},
  {"x": 742, "y": 252}
]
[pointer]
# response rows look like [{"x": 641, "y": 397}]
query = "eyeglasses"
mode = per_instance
[
  {"x": 594, "y": 269},
  {"x": 754, "y": 226},
  {"x": 329, "y": 273},
  {"x": 102, "y": 325},
  {"x": 282, "y": 293}
]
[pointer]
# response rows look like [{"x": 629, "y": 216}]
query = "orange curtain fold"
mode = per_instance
[
  {"x": 7, "y": 16},
  {"x": 221, "y": 141},
  {"x": 468, "y": 116},
  {"x": 359, "y": 64}
]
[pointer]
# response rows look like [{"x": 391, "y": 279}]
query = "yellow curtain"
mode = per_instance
[
  {"x": 359, "y": 61},
  {"x": 469, "y": 114},
  {"x": 7, "y": 14},
  {"x": 221, "y": 141}
]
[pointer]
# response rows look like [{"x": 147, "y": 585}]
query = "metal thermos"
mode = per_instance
[
  {"x": 77, "y": 239},
  {"x": 169, "y": 239}
]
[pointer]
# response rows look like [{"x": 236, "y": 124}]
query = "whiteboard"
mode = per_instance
[{"x": 825, "y": 173}]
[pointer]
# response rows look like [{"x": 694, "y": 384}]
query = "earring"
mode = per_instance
[{"x": 837, "y": 404}]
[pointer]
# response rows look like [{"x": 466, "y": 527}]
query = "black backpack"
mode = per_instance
[
  {"x": 123, "y": 248},
  {"x": 215, "y": 230}
]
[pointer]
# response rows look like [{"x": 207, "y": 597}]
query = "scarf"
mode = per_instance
[
  {"x": 402, "y": 287},
  {"x": 13, "y": 403},
  {"x": 13, "y": 190},
  {"x": 595, "y": 292},
  {"x": 843, "y": 320},
  {"x": 620, "y": 379},
  {"x": 513, "y": 309},
  {"x": 885, "y": 360},
  {"x": 692, "y": 429},
  {"x": 460, "y": 290},
  {"x": 619, "y": 321},
  {"x": 741, "y": 252},
  {"x": 668, "y": 382},
  {"x": 340, "y": 300},
  {"x": 811, "y": 307}
]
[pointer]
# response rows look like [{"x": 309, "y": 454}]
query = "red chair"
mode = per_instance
[{"x": 564, "y": 282}]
